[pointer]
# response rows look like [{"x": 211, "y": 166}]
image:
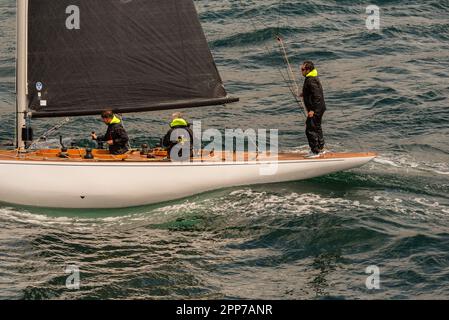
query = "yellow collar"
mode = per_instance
[
  {"x": 179, "y": 123},
  {"x": 312, "y": 74},
  {"x": 115, "y": 120}
]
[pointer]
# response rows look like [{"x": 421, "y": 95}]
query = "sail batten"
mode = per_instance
[{"x": 88, "y": 55}]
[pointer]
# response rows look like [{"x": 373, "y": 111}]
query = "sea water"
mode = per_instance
[{"x": 386, "y": 90}]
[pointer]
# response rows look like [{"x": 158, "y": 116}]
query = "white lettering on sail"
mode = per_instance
[{"x": 73, "y": 21}]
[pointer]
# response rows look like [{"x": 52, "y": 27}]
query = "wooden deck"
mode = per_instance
[{"x": 77, "y": 155}]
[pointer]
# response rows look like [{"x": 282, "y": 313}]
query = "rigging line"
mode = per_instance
[
  {"x": 291, "y": 89},
  {"x": 278, "y": 37},
  {"x": 291, "y": 73},
  {"x": 50, "y": 131},
  {"x": 270, "y": 51},
  {"x": 290, "y": 82}
]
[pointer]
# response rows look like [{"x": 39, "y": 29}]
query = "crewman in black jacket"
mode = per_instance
[
  {"x": 116, "y": 136},
  {"x": 179, "y": 139},
  {"x": 316, "y": 106}
]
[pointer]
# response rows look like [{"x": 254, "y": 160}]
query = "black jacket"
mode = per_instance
[
  {"x": 117, "y": 133},
  {"x": 314, "y": 96},
  {"x": 169, "y": 144}
]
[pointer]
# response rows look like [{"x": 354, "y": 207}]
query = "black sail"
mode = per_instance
[{"x": 85, "y": 56}]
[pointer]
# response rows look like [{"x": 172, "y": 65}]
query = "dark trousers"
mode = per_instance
[{"x": 314, "y": 133}]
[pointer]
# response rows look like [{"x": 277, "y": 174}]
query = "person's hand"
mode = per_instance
[
  {"x": 311, "y": 114},
  {"x": 110, "y": 142},
  {"x": 94, "y": 136}
]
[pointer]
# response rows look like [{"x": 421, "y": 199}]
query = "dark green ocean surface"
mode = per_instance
[{"x": 387, "y": 91}]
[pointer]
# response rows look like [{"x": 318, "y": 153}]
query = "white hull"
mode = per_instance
[{"x": 123, "y": 184}]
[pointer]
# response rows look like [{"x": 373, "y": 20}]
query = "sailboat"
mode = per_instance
[{"x": 76, "y": 58}]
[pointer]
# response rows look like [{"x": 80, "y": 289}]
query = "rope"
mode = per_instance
[
  {"x": 50, "y": 131},
  {"x": 291, "y": 74},
  {"x": 288, "y": 80}
]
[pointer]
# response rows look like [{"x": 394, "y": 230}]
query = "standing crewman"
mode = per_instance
[
  {"x": 116, "y": 136},
  {"x": 316, "y": 106}
]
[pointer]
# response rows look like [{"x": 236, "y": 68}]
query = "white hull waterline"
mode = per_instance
[{"x": 120, "y": 184}]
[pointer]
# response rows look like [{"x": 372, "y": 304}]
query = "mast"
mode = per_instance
[{"x": 21, "y": 70}]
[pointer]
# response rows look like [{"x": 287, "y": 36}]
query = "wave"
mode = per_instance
[
  {"x": 410, "y": 163},
  {"x": 254, "y": 37}
]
